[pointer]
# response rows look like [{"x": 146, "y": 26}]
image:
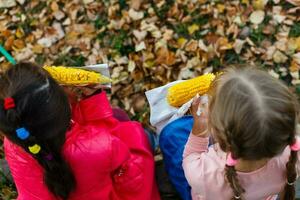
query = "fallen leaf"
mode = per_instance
[
  {"x": 140, "y": 35},
  {"x": 20, "y": 32},
  {"x": 9, "y": 42},
  {"x": 259, "y": 4},
  {"x": 24, "y": 54},
  {"x": 140, "y": 46},
  {"x": 257, "y": 17},
  {"x": 294, "y": 67},
  {"x": 202, "y": 46},
  {"x": 223, "y": 44},
  {"x": 164, "y": 56},
  {"x": 59, "y": 15},
  {"x": 294, "y": 2},
  {"x": 221, "y": 8},
  {"x": 296, "y": 58},
  {"x": 193, "y": 28},
  {"x": 38, "y": 49},
  {"x": 191, "y": 46},
  {"x": 279, "y": 57},
  {"x": 168, "y": 34},
  {"x": 181, "y": 42},
  {"x": 135, "y": 15},
  {"x": 54, "y": 6},
  {"x": 21, "y": 1},
  {"x": 131, "y": 66},
  {"x": 88, "y": 1},
  {"x": 18, "y": 44},
  {"x": 7, "y": 3},
  {"x": 135, "y": 4},
  {"x": 279, "y": 18},
  {"x": 269, "y": 29},
  {"x": 238, "y": 45}
]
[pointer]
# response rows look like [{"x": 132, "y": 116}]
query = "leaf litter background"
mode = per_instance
[{"x": 148, "y": 43}]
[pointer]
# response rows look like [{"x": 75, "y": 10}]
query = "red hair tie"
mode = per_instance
[
  {"x": 296, "y": 145},
  {"x": 9, "y": 103},
  {"x": 230, "y": 161}
]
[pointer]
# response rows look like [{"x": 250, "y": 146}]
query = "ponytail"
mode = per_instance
[{"x": 232, "y": 179}]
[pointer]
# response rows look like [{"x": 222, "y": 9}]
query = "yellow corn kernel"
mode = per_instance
[
  {"x": 75, "y": 76},
  {"x": 182, "y": 92}
]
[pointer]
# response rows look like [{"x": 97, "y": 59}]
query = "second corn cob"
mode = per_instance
[
  {"x": 182, "y": 92},
  {"x": 75, "y": 76}
]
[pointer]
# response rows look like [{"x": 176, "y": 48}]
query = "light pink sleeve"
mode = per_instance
[{"x": 193, "y": 162}]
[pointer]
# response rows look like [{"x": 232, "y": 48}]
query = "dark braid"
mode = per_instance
[
  {"x": 291, "y": 174},
  {"x": 232, "y": 179}
]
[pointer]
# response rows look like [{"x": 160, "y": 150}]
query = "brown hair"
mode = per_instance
[{"x": 253, "y": 116}]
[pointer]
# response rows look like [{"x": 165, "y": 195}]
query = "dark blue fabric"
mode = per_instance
[{"x": 172, "y": 141}]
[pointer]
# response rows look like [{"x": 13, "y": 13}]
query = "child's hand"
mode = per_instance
[
  {"x": 199, "y": 112},
  {"x": 77, "y": 93}
]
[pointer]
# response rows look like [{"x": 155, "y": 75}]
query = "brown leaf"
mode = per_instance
[
  {"x": 38, "y": 49},
  {"x": 294, "y": 67},
  {"x": 136, "y": 4},
  {"x": 269, "y": 30},
  {"x": 9, "y": 42},
  {"x": 211, "y": 38},
  {"x": 54, "y": 6},
  {"x": 223, "y": 44},
  {"x": 19, "y": 44},
  {"x": 191, "y": 46},
  {"x": 139, "y": 102},
  {"x": 164, "y": 56},
  {"x": 6, "y": 33}
]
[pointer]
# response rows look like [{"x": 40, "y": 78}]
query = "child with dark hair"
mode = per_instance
[
  {"x": 58, "y": 151},
  {"x": 252, "y": 118}
]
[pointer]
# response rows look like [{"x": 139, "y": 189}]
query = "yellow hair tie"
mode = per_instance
[{"x": 35, "y": 149}]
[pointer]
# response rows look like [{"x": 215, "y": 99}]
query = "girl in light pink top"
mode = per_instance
[{"x": 252, "y": 117}]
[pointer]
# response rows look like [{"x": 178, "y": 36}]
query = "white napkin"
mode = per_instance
[{"x": 161, "y": 113}]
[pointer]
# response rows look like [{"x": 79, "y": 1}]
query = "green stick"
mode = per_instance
[{"x": 7, "y": 55}]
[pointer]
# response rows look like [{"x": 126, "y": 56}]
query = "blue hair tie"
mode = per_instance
[{"x": 22, "y": 133}]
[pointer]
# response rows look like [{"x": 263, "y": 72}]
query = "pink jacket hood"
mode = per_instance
[{"x": 110, "y": 159}]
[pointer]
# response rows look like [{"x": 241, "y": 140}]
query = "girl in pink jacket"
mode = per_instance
[
  {"x": 252, "y": 117},
  {"x": 54, "y": 153}
]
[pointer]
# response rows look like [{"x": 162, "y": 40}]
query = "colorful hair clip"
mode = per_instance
[
  {"x": 35, "y": 149},
  {"x": 230, "y": 161},
  {"x": 22, "y": 133},
  {"x": 296, "y": 145},
  {"x": 49, "y": 156},
  {"x": 9, "y": 103}
]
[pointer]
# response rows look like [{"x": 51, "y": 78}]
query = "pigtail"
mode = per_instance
[
  {"x": 232, "y": 179},
  {"x": 291, "y": 174}
]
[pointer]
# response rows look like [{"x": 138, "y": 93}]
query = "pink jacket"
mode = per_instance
[
  {"x": 204, "y": 170},
  {"x": 111, "y": 160}
]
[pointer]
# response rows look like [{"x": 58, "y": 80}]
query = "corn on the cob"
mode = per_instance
[
  {"x": 75, "y": 76},
  {"x": 182, "y": 92}
]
